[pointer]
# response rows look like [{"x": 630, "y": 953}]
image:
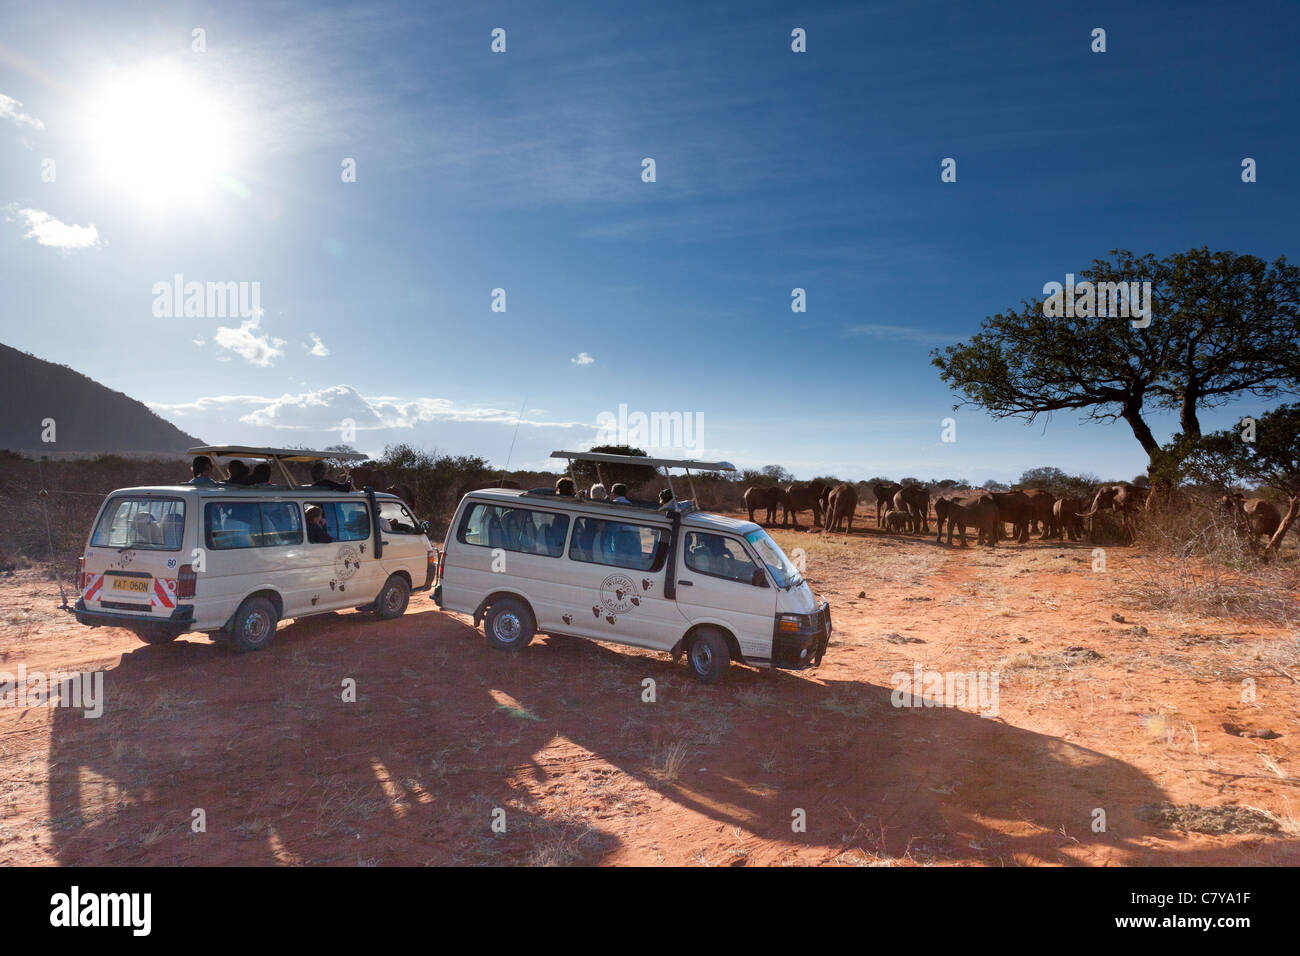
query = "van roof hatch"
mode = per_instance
[
  {"x": 600, "y": 457},
  {"x": 277, "y": 456}
]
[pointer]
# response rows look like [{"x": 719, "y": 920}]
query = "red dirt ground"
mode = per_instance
[{"x": 445, "y": 731}]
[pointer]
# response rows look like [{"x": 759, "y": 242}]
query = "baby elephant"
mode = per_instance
[{"x": 897, "y": 521}]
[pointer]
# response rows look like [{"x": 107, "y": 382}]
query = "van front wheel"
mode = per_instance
[
  {"x": 253, "y": 625},
  {"x": 393, "y": 599},
  {"x": 508, "y": 625},
  {"x": 708, "y": 657}
]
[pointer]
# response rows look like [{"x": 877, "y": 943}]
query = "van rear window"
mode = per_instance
[
  {"x": 514, "y": 529},
  {"x": 151, "y": 524},
  {"x": 251, "y": 524}
]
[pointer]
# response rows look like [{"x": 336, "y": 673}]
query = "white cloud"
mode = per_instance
[
  {"x": 10, "y": 109},
  {"x": 199, "y": 341},
  {"x": 325, "y": 409},
  {"x": 48, "y": 231},
  {"x": 582, "y": 358},
  {"x": 259, "y": 350},
  {"x": 317, "y": 348}
]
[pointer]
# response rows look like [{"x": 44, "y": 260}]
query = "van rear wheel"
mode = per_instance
[
  {"x": 393, "y": 598},
  {"x": 253, "y": 625},
  {"x": 708, "y": 656},
  {"x": 509, "y": 625}
]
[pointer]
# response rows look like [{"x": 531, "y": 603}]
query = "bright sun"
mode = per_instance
[{"x": 161, "y": 137}]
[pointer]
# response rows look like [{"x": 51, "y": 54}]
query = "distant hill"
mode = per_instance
[{"x": 89, "y": 418}]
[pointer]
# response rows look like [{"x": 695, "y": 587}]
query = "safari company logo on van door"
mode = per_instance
[
  {"x": 347, "y": 561},
  {"x": 617, "y": 596}
]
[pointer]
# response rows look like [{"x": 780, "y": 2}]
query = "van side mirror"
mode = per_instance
[{"x": 759, "y": 579}]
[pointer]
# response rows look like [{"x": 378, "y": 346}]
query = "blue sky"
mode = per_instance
[{"x": 523, "y": 171}]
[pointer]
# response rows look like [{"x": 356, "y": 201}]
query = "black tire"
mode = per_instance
[
  {"x": 393, "y": 598},
  {"x": 253, "y": 626},
  {"x": 155, "y": 635},
  {"x": 509, "y": 625},
  {"x": 708, "y": 656}
]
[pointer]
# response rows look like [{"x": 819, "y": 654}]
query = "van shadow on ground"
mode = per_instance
[{"x": 445, "y": 730}]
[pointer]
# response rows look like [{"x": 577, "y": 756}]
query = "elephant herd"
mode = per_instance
[
  {"x": 906, "y": 509},
  {"x": 833, "y": 506}
]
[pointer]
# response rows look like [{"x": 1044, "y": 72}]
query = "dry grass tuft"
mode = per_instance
[{"x": 1200, "y": 563}]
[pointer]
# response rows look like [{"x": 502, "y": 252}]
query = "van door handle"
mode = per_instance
[{"x": 688, "y": 584}]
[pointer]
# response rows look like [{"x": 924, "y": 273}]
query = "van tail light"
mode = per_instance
[
  {"x": 442, "y": 560},
  {"x": 81, "y": 574},
  {"x": 186, "y": 581}
]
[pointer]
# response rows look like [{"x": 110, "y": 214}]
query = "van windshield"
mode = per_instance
[
  {"x": 782, "y": 569},
  {"x": 154, "y": 524}
]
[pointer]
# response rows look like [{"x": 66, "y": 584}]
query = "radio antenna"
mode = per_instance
[{"x": 518, "y": 421}]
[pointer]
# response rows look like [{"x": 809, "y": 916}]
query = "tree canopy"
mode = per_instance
[{"x": 1221, "y": 325}]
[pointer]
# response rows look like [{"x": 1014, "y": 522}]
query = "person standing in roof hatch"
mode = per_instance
[{"x": 201, "y": 468}]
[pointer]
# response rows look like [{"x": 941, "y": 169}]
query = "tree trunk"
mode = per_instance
[
  {"x": 1190, "y": 424},
  {"x": 1133, "y": 415},
  {"x": 1288, "y": 519}
]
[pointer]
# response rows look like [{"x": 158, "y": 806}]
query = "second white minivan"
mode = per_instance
[
  {"x": 233, "y": 561},
  {"x": 712, "y": 587}
]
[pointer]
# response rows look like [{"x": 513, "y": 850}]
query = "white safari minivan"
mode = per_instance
[
  {"x": 668, "y": 578},
  {"x": 234, "y": 560}
]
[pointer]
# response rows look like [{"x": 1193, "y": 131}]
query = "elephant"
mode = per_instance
[
  {"x": 897, "y": 521},
  {"x": 765, "y": 498},
  {"x": 1124, "y": 498},
  {"x": 1013, "y": 509},
  {"x": 802, "y": 496},
  {"x": 1065, "y": 518},
  {"x": 1263, "y": 516},
  {"x": 915, "y": 499},
  {"x": 941, "y": 515},
  {"x": 884, "y": 492},
  {"x": 978, "y": 510},
  {"x": 363, "y": 476},
  {"x": 841, "y": 503},
  {"x": 507, "y": 483},
  {"x": 406, "y": 493},
  {"x": 1041, "y": 512}
]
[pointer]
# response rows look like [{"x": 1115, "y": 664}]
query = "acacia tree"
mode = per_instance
[
  {"x": 1221, "y": 325},
  {"x": 1260, "y": 452}
]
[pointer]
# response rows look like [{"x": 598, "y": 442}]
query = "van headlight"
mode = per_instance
[{"x": 795, "y": 623}]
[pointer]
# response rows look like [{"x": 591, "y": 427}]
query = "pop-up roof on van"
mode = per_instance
[
  {"x": 599, "y": 458},
  {"x": 276, "y": 456}
]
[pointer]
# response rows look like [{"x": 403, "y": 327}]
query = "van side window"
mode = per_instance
[
  {"x": 249, "y": 524},
  {"x": 400, "y": 521},
  {"x": 621, "y": 545},
  {"x": 344, "y": 520},
  {"x": 281, "y": 523},
  {"x": 514, "y": 529},
  {"x": 721, "y": 557}
]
